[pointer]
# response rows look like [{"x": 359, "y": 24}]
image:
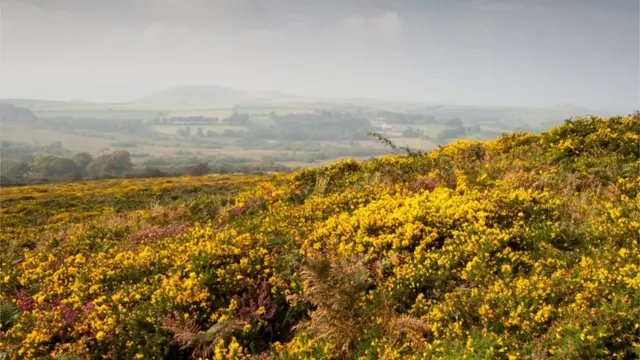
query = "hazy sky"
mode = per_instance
[{"x": 503, "y": 52}]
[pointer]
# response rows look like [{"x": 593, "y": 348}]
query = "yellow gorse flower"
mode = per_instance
[{"x": 525, "y": 246}]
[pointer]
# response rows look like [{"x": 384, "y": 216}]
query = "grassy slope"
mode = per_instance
[{"x": 517, "y": 248}]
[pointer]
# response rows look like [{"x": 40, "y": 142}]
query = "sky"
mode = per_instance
[{"x": 480, "y": 52}]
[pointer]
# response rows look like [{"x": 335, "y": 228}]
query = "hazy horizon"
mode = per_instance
[{"x": 480, "y": 52}]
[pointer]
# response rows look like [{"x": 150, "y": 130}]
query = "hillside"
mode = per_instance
[
  {"x": 523, "y": 247},
  {"x": 209, "y": 94}
]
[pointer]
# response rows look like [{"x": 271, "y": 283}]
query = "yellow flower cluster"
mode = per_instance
[{"x": 523, "y": 247}]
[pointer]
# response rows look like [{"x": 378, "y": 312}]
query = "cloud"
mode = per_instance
[{"x": 443, "y": 50}]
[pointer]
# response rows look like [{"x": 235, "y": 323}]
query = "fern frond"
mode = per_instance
[
  {"x": 189, "y": 335},
  {"x": 409, "y": 324},
  {"x": 8, "y": 315},
  {"x": 334, "y": 289}
]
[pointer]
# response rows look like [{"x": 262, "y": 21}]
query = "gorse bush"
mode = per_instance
[{"x": 522, "y": 247}]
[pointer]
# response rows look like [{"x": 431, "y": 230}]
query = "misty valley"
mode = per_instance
[{"x": 176, "y": 132}]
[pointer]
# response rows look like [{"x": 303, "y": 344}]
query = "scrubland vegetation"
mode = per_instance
[{"x": 524, "y": 247}]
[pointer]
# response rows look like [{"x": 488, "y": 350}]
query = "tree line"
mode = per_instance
[
  {"x": 45, "y": 168},
  {"x": 50, "y": 167}
]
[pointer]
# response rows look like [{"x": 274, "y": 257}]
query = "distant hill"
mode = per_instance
[
  {"x": 15, "y": 114},
  {"x": 210, "y": 93}
]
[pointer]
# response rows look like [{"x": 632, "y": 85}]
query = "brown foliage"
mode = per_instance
[
  {"x": 337, "y": 290},
  {"x": 189, "y": 336}
]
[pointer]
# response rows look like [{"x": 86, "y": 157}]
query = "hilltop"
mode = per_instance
[{"x": 521, "y": 247}]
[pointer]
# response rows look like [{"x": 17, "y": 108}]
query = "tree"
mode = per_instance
[
  {"x": 14, "y": 171},
  {"x": 238, "y": 118},
  {"x": 447, "y": 134},
  {"x": 153, "y": 172},
  {"x": 198, "y": 169},
  {"x": 454, "y": 123},
  {"x": 83, "y": 159},
  {"x": 97, "y": 167},
  {"x": 41, "y": 161},
  {"x": 115, "y": 164},
  {"x": 185, "y": 132},
  {"x": 120, "y": 161},
  {"x": 62, "y": 169},
  {"x": 4, "y": 180},
  {"x": 55, "y": 167},
  {"x": 200, "y": 133}
]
